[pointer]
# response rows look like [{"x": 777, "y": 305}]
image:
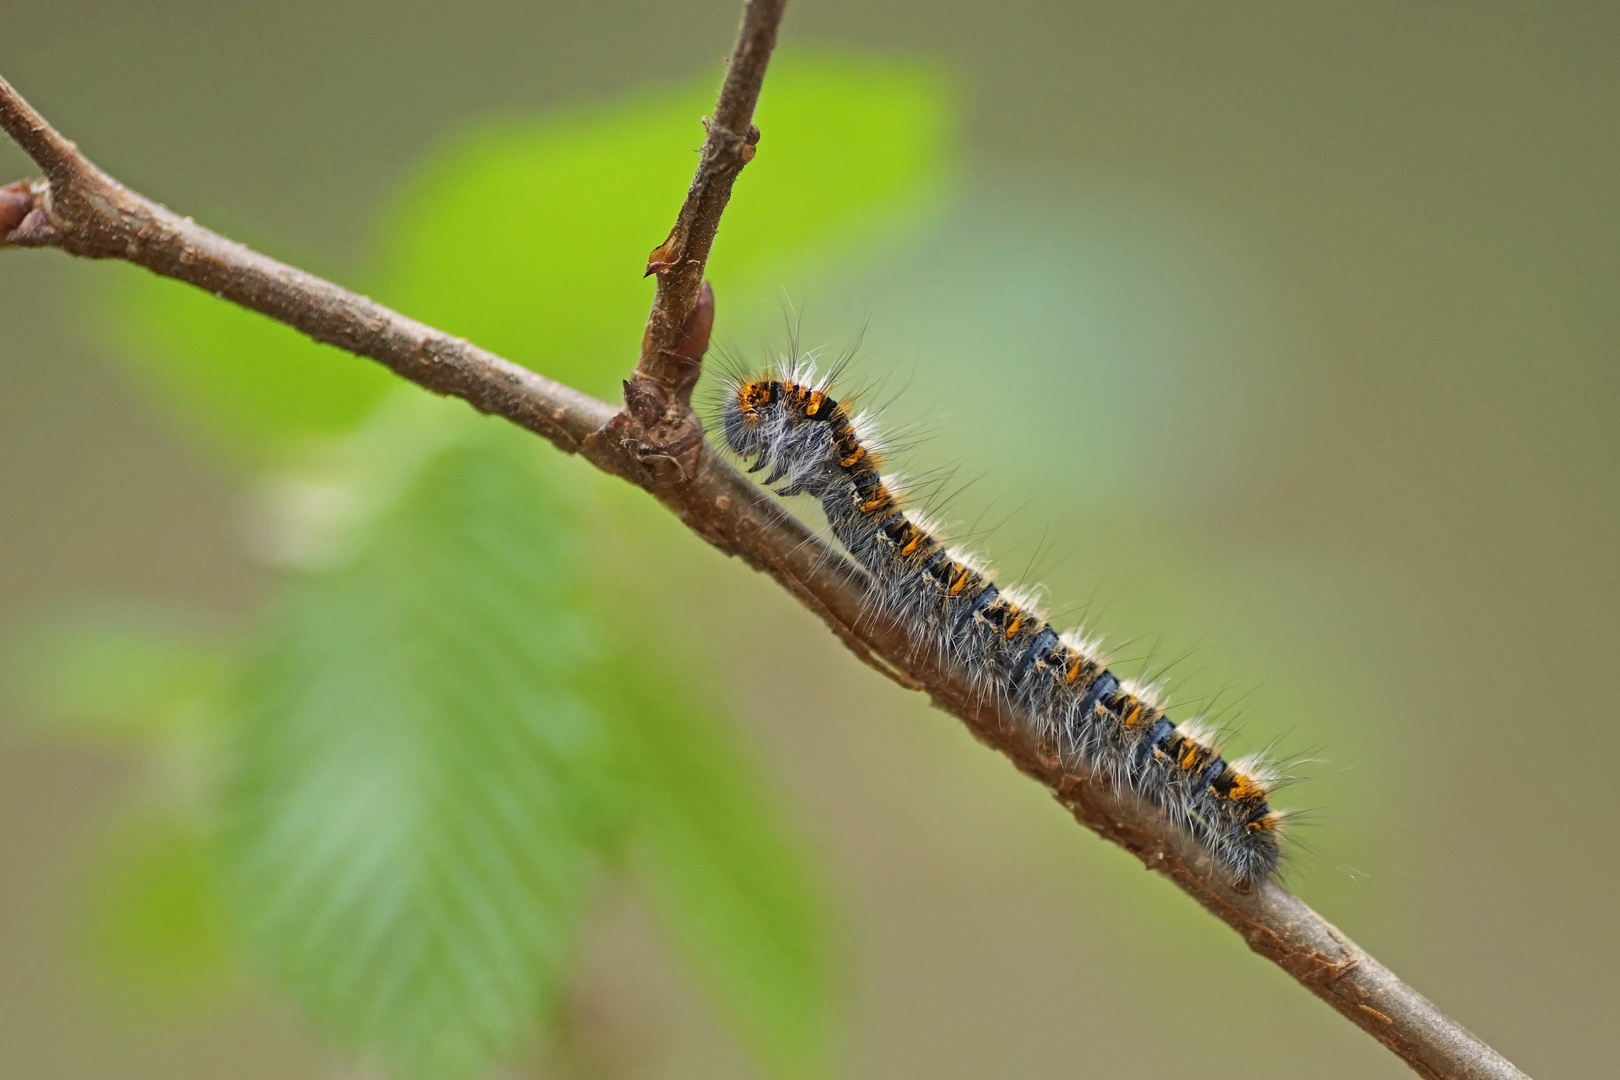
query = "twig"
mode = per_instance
[
  {"x": 680, "y": 259},
  {"x": 658, "y": 418},
  {"x": 654, "y": 443}
]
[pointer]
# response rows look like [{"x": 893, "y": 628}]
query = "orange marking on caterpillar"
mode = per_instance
[
  {"x": 750, "y": 396},
  {"x": 1245, "y": 787},
  {"x": 880, "y": 500},
  {"x": 1133, "y": 715},
  {"x": 1268, "y": 823}
]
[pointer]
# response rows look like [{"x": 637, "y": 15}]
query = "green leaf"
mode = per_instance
[
  {"x": 238, "y": 381},
  {"x": 155, "y": 918},
  {"x": 853, "y": 150},
  {"x": 422, "y": 793},
  {"x": 726, "y": 876},
  {"x": 417, "y": 803},
  {"x": 118, "y": 672},
  {"x": 531, "y": 238}
]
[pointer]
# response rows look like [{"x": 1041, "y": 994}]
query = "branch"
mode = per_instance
[
  {"x": 680, "y": 259},
  {"x": 658, "y": 396},
  {"x": 656, "y": 443}
]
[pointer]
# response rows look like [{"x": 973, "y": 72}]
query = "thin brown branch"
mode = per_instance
[
  {"x": 680, "y": 259},
  {"x": 81, "y": 210},
  {"x": 658, "y": 421}
]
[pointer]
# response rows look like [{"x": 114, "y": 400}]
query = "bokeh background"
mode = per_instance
[{"x": 1279, "y": 341}]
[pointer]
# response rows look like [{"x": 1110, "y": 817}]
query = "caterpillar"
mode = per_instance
[{"x": 788, "y": 425}]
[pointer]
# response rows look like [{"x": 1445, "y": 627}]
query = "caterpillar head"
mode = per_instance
[{"x": 748, "y": 414}]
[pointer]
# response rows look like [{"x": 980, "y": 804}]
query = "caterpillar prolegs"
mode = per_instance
[{"x": 806, "y": 442}]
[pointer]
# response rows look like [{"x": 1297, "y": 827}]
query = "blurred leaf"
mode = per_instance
[
  {"x": 531, "y": 238},
  {"x": 422, "y": 794},
  {"x": 157, "y": 921},
  {"x": 241, "y": 381},
  {"x": 120, "y": 672},
  {"x": 726, "y": 877},
  {"x": 853, "y": 149},
  {"x": 413, "y": 821}
]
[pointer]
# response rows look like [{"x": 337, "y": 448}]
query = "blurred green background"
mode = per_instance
[{"x": 1280, "y": 343}]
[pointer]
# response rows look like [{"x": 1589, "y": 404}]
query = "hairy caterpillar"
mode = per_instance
[{"x": 789, "y": 426}]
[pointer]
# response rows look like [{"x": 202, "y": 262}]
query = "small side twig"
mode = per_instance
[
  {"x": 652, "y": 443},
  {"x": 680, "y": 259},
  {"x": 658, "y": 427}
]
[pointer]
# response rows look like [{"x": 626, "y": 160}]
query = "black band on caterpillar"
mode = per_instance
[{"x": 808, "y": 443}]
